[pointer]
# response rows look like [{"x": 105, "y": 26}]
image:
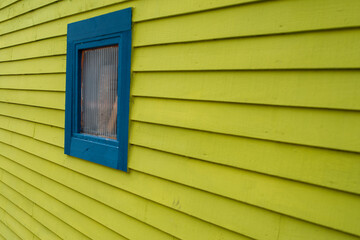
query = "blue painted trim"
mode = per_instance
[
  {"x": 105, "y": 30},
  {"x": 110, "y": 23}
]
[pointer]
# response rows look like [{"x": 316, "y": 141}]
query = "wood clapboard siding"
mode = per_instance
[
  {"x": 329, "y": 89},
  {"x": 244, "y": 123},
  {"x": 22, "y": 7},
  {"x": 40, "y": 82},
  {"x": 305, "y": 229},
  {"x": 6, "y": 3},
  {"x": 19, "y": 229},
  {"x": 38, "y": 215},
  {"x": 30, "y": 226}
]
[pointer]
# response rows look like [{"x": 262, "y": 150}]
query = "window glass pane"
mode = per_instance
[{"x": 99, "y": 71}]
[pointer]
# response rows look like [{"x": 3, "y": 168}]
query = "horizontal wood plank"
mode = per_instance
[
  {"x": 53, "y": 11},
  {"x": 147, "y": 10},
  {"x": 27, "y": 221},
  {"x": 5, "y": 3},
  {"x": 82, "y": 223},
  {"x": 15, "y": 225},
  {"x": 22, "y": 7},
  {"x": 312, "y": 127},
  {"x": 122, "y": 200},
  {"x": 336, "y": 169},
  {"x": 7, "y": 233},
  {"x": 44, "y": 99},
  {"x": 42, "y": 115},
  {"x": 142, "y": 183},
  {"x": 330, "y": 208},
  {"x": 276, "y": 17},
  {"x": 16, "y": 125},
  {"x": 46, "y": 219},
  {"x": 48, "y": 47},
  {"x": 313, "y": 50},
  {"x": 42, "y": 82},
  {"x": 322, "y": 89},
  {"x": 55, "y": 64}
]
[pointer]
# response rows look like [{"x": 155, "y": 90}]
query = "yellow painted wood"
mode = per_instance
[
  {"x": 42, "y": 216},
  {"x": 22, "y": 7},
  {"x": 15, "y": 226},
  {"x": 147, "y": 10},
  {"x": 20, "y": 201},
  {"x": 74, "y": 218},
  {"x": 321, "y": 128},
  {"x": 56, "y": 64},
  {"x": 45, "y": 218},
  {"x": 56, "y": 10},
  {"x": 267, "y": 17},
  {"x": 314, "y": 50},
  {"x": 143, "y": 187},
  {"x": 323, "y": 89},
  {"x": 49, "y": 134},
  {"x": 151, "y": 212},
  {"x": 54, "y": 100},
  {"x": 48, "y": 47},
  {"x": 335, "y": 169},
  {"x": 7, "y": 233},
  {"x": 27, "y": 221},
  {"x": 60, "y": 228},
  {"x": 43, "y": 82},
  {"x": 5, "y": 3},
  {"x": 194, "y": 27},
  {"x": 329, "y": 208},
  {"x": 230, "y": 210},
  {"x": 163, "y": 8},
  {"x": 292, "y": 229},
  {"x": 57, "y": 27},
  {"x": 42, "y": 115},
  {"x": 174, "y": 193},
  {"x": 114, "y": 220},
  {"x": 17, "y": 125}
]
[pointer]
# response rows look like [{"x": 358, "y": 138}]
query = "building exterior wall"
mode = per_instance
[{"x": 244, "y": 123}]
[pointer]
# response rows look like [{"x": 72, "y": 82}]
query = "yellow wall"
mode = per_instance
[{"x": 245, "y": 123}]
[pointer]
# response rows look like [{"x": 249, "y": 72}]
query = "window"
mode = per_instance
[{"x": 98, "y": 89}]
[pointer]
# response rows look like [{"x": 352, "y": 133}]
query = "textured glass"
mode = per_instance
[{"x": 99, "y": 71}]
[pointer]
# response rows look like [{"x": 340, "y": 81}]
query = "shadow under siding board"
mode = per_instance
[
  {"x": 313, "y": 50},
  {"x": 312, "y": 127},
  {"x": 264, "y": 18},
  {"x": 335, "y": 169},
  {"x": 320, "y": 88}
]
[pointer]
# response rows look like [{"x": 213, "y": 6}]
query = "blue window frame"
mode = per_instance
[{"x": 113, "y": 29}]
